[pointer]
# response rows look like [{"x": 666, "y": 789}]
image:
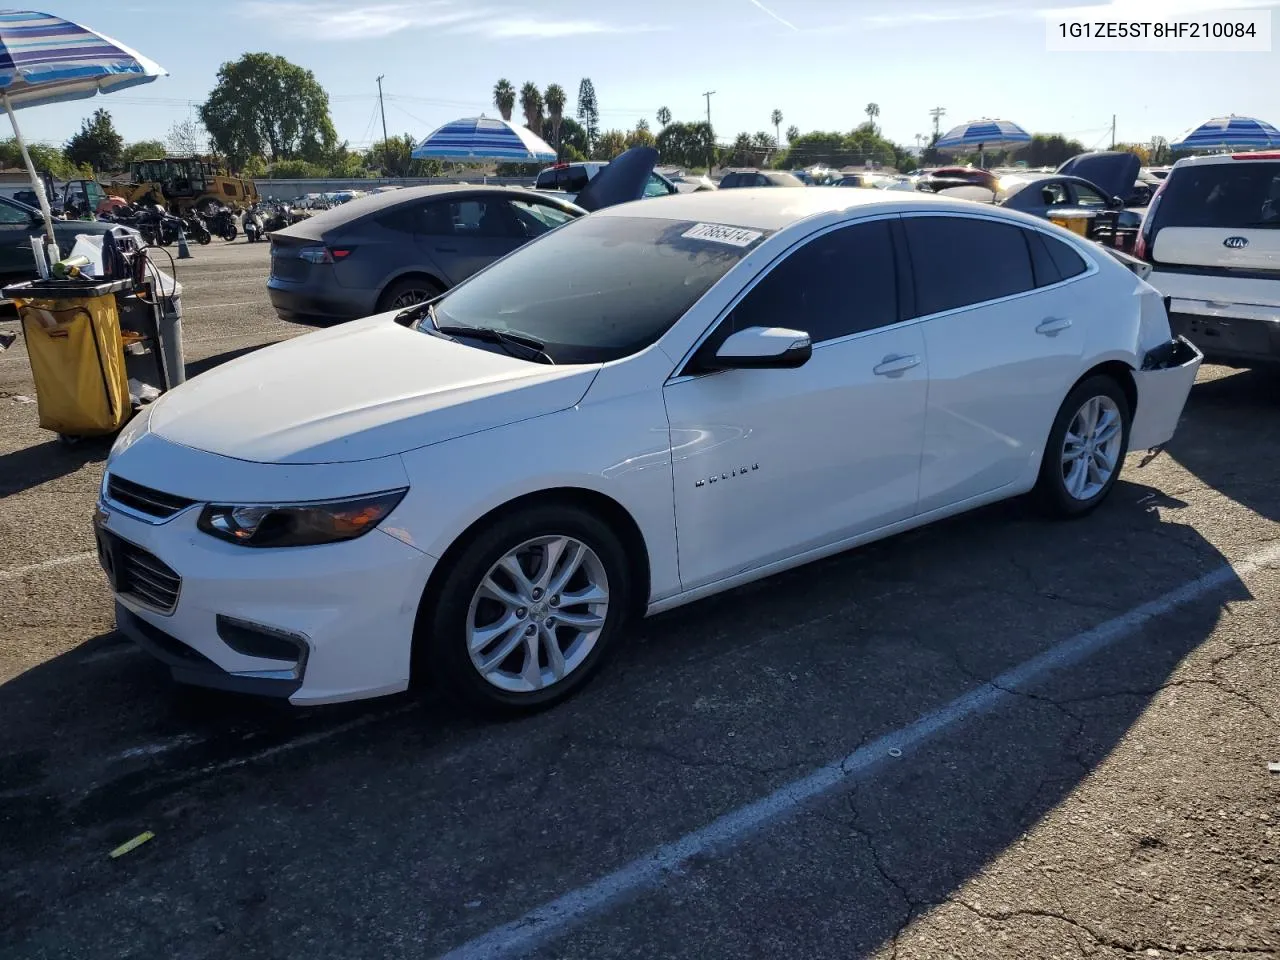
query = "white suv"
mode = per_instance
[{"x": 1212, "y": 236}]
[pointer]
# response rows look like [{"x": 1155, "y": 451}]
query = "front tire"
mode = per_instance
[
  {"x": 1086, "y": 448},
  {"x": 527, "y": 612}
]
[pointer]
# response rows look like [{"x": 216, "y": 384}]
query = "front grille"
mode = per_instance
[
  {"x": 152, "y": 502},
  {"x": 145, "y": 577},
  {"x": 289, "y": 267}
]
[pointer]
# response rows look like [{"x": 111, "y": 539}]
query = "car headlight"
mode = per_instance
[{"x": 298, "y": 524}]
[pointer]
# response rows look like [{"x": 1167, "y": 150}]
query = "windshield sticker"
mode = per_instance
[{"x": 717, "y": 233}]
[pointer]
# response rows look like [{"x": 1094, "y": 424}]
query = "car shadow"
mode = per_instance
[
  {"x": 706, "y": 709},
  {"x": 32, "y": 466}
]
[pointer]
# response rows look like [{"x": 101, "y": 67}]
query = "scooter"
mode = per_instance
[
  {"x": 193, "y": 225},
  {"x": 254, "y": 227}
]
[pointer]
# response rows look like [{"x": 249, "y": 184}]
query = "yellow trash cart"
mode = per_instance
[{"x": 74, "y": 344}]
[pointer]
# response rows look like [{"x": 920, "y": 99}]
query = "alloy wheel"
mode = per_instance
[
  {"x": 537, "y": 614},
  {"x": 1091, "y": 448}
]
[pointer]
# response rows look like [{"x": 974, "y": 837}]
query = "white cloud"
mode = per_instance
[
  {"x": 761, "y": 6},
  {"x": 337, "y": 21}
]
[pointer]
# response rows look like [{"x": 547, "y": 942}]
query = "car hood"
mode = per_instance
[
  {"x": 622, "y": 181},
  {"x": 1112, "y": 171},
  {"x": 363, "y": 390}
]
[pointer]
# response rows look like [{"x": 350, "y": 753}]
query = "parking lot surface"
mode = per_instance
[{"x": 996, "y": 737}]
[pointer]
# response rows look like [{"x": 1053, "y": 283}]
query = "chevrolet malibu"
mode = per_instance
[{"x": 645, "y": 406}]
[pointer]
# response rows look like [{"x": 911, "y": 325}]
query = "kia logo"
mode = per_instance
[{"x": 1236, "y": 243}]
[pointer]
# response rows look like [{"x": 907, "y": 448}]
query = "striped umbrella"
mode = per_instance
[
  {"x": 484, "y": 138},
  {"x": 46, "y": 59},
  {"x": 982, "y": 134},
  {"x": 1229, "y": 132}
]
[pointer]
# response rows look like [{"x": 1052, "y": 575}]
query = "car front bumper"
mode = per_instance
[{"x": 310, "y": 624}]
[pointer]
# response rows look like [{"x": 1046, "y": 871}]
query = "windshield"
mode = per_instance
[
  {"x": 1224, "y": 195},
  {"x": 599, "y": 288}
]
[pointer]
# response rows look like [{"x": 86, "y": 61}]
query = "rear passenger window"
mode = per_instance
[
  {"x": 959, "y": 261},
  {"x": 1070, "y": 264},
  {"x": 842, "y": 283},
  {"x": 1042, "y": 265}
]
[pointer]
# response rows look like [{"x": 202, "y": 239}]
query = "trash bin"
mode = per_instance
[
  {"x": 1077, "y": 221},
  {"x": 74, "y": 345}
]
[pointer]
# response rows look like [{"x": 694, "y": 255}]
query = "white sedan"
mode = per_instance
[{"x": 646, "y": 406}]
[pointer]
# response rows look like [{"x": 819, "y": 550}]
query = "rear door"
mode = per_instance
[
  {"x": 467, "y": 234},
  {"x": 1004, "y": 335}
]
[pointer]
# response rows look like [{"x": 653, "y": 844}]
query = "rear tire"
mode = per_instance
[
  {"x": 500, "y": 643},
  {"x": 1086, "y": 449},
  {"x": 407, "y": 292}
]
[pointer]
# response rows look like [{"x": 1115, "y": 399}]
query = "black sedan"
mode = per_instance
[
  {"x": 19, "y": 223},
  {"x": 390, "y": 250}
]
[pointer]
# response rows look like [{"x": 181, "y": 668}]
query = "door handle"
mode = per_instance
[
  {"x": 894, "y": 364},
  {"x": 1050, "y": 326}
]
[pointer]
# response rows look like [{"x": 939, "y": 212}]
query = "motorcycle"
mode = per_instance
[
  {"x": 279, "y": 218},
  {"x": 222, "y": 223},
  {"x": 193, "y": 226},
  {"x": 254, "y": 227}
]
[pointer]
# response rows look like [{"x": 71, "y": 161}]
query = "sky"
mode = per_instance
[{"x": 818, "y": 61}]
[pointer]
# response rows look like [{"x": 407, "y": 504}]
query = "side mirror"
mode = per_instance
[
  {"x": 762, "y": 348},
  {"x": 1116, "y": 203}
]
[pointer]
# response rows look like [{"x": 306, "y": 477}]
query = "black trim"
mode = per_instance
[
  {"x": 192, "y": 667},
  {"x": 269, "y": 643},
  {"x": 903, "y": 270}
]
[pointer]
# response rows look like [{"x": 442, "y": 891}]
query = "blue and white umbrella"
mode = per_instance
[
  {"x": 484, "y": 138},
  {"x": 1230, "y": 132},
  {"x": 46, "y": 59},
  {"x": 981, "y": 134}
]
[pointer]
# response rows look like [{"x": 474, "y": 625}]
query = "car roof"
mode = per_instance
[
  {"x": 1213, "y": 158},
  {"x": 374, "y": 202},
  {"x": 767, "y": 208}
]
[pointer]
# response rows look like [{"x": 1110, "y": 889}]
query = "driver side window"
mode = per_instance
[
  {"x": 838, "y": 284},
  {"x": 1088, "y": 197},
  {"x": 13, "y": 215}
]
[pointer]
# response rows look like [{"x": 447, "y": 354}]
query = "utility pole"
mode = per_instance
[
  {"x": 383, "y": 110},
  {"x": 711, "y": 146},
  {"x": 1113, "y": 131},
  {"x": 937, "y": 113}
]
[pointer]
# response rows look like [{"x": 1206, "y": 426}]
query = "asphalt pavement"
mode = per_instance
[{"x": 998, "y": 737}]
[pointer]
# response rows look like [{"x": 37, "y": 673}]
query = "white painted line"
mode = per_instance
[
  {"x": 554, "y": 918},
  {"x": 19, "y": 572},
  {"x": 260, "y": 302}
]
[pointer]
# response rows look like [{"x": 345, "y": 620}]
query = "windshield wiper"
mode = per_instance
[
  {"x": 1273, "y": 224},
  {"x": 517, "y": 345},
  {"x": 416, "y": 312}
]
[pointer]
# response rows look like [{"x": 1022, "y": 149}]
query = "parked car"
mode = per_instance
[
  {"x": 759, "y": 178},
  {"x": 19, "y": 223},
  {"x": 1212, "y": 235},
  {"x": 389, "y": 250},
  {"x": 482, "y": 489},
  {"x": 569, "y": 179}
]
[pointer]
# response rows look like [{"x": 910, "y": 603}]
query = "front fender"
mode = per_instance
[{"x": 619, "y": 447}]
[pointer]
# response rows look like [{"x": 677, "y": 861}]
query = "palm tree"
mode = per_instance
[
  {"x": 873, "y": 111},
  {"x": 742, "y": 149},
  {"x": 555, "y": 98},
  {"x": 776, "y": 118},
  {"x": 531, "y": 106},
  {"x": 793, "y": 133},
  {"x": 664, "y": 117},
  {"x": 504, "y": 97}
]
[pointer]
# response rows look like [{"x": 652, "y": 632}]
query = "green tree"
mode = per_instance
[
  {"x": 1159, "y": 151},
  {"x": 641, "y": 136},
  {"x": 555, "y": 100},
  {"x": 664, "y": 117},
  {"x": 143, "y": 150},
  {"x": 611, "y": 144},
  {"x": 504, "y": 97},
  {"x": 776, "y": 119},
  {"x": 97, "y": 144},
  {"x": 531, "y": 106},
  {"x": 792, "y": 132},
  {"x": 264, "y": 105},
  {"x": 686, "y": 144},
  {"x": 573, "y": 138},
  {"x": 872, "y": 111},
  {"x": 589, "y": 111},
  {"x": 45, "y": 158},
  {"x": 394, "y": 158}
]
